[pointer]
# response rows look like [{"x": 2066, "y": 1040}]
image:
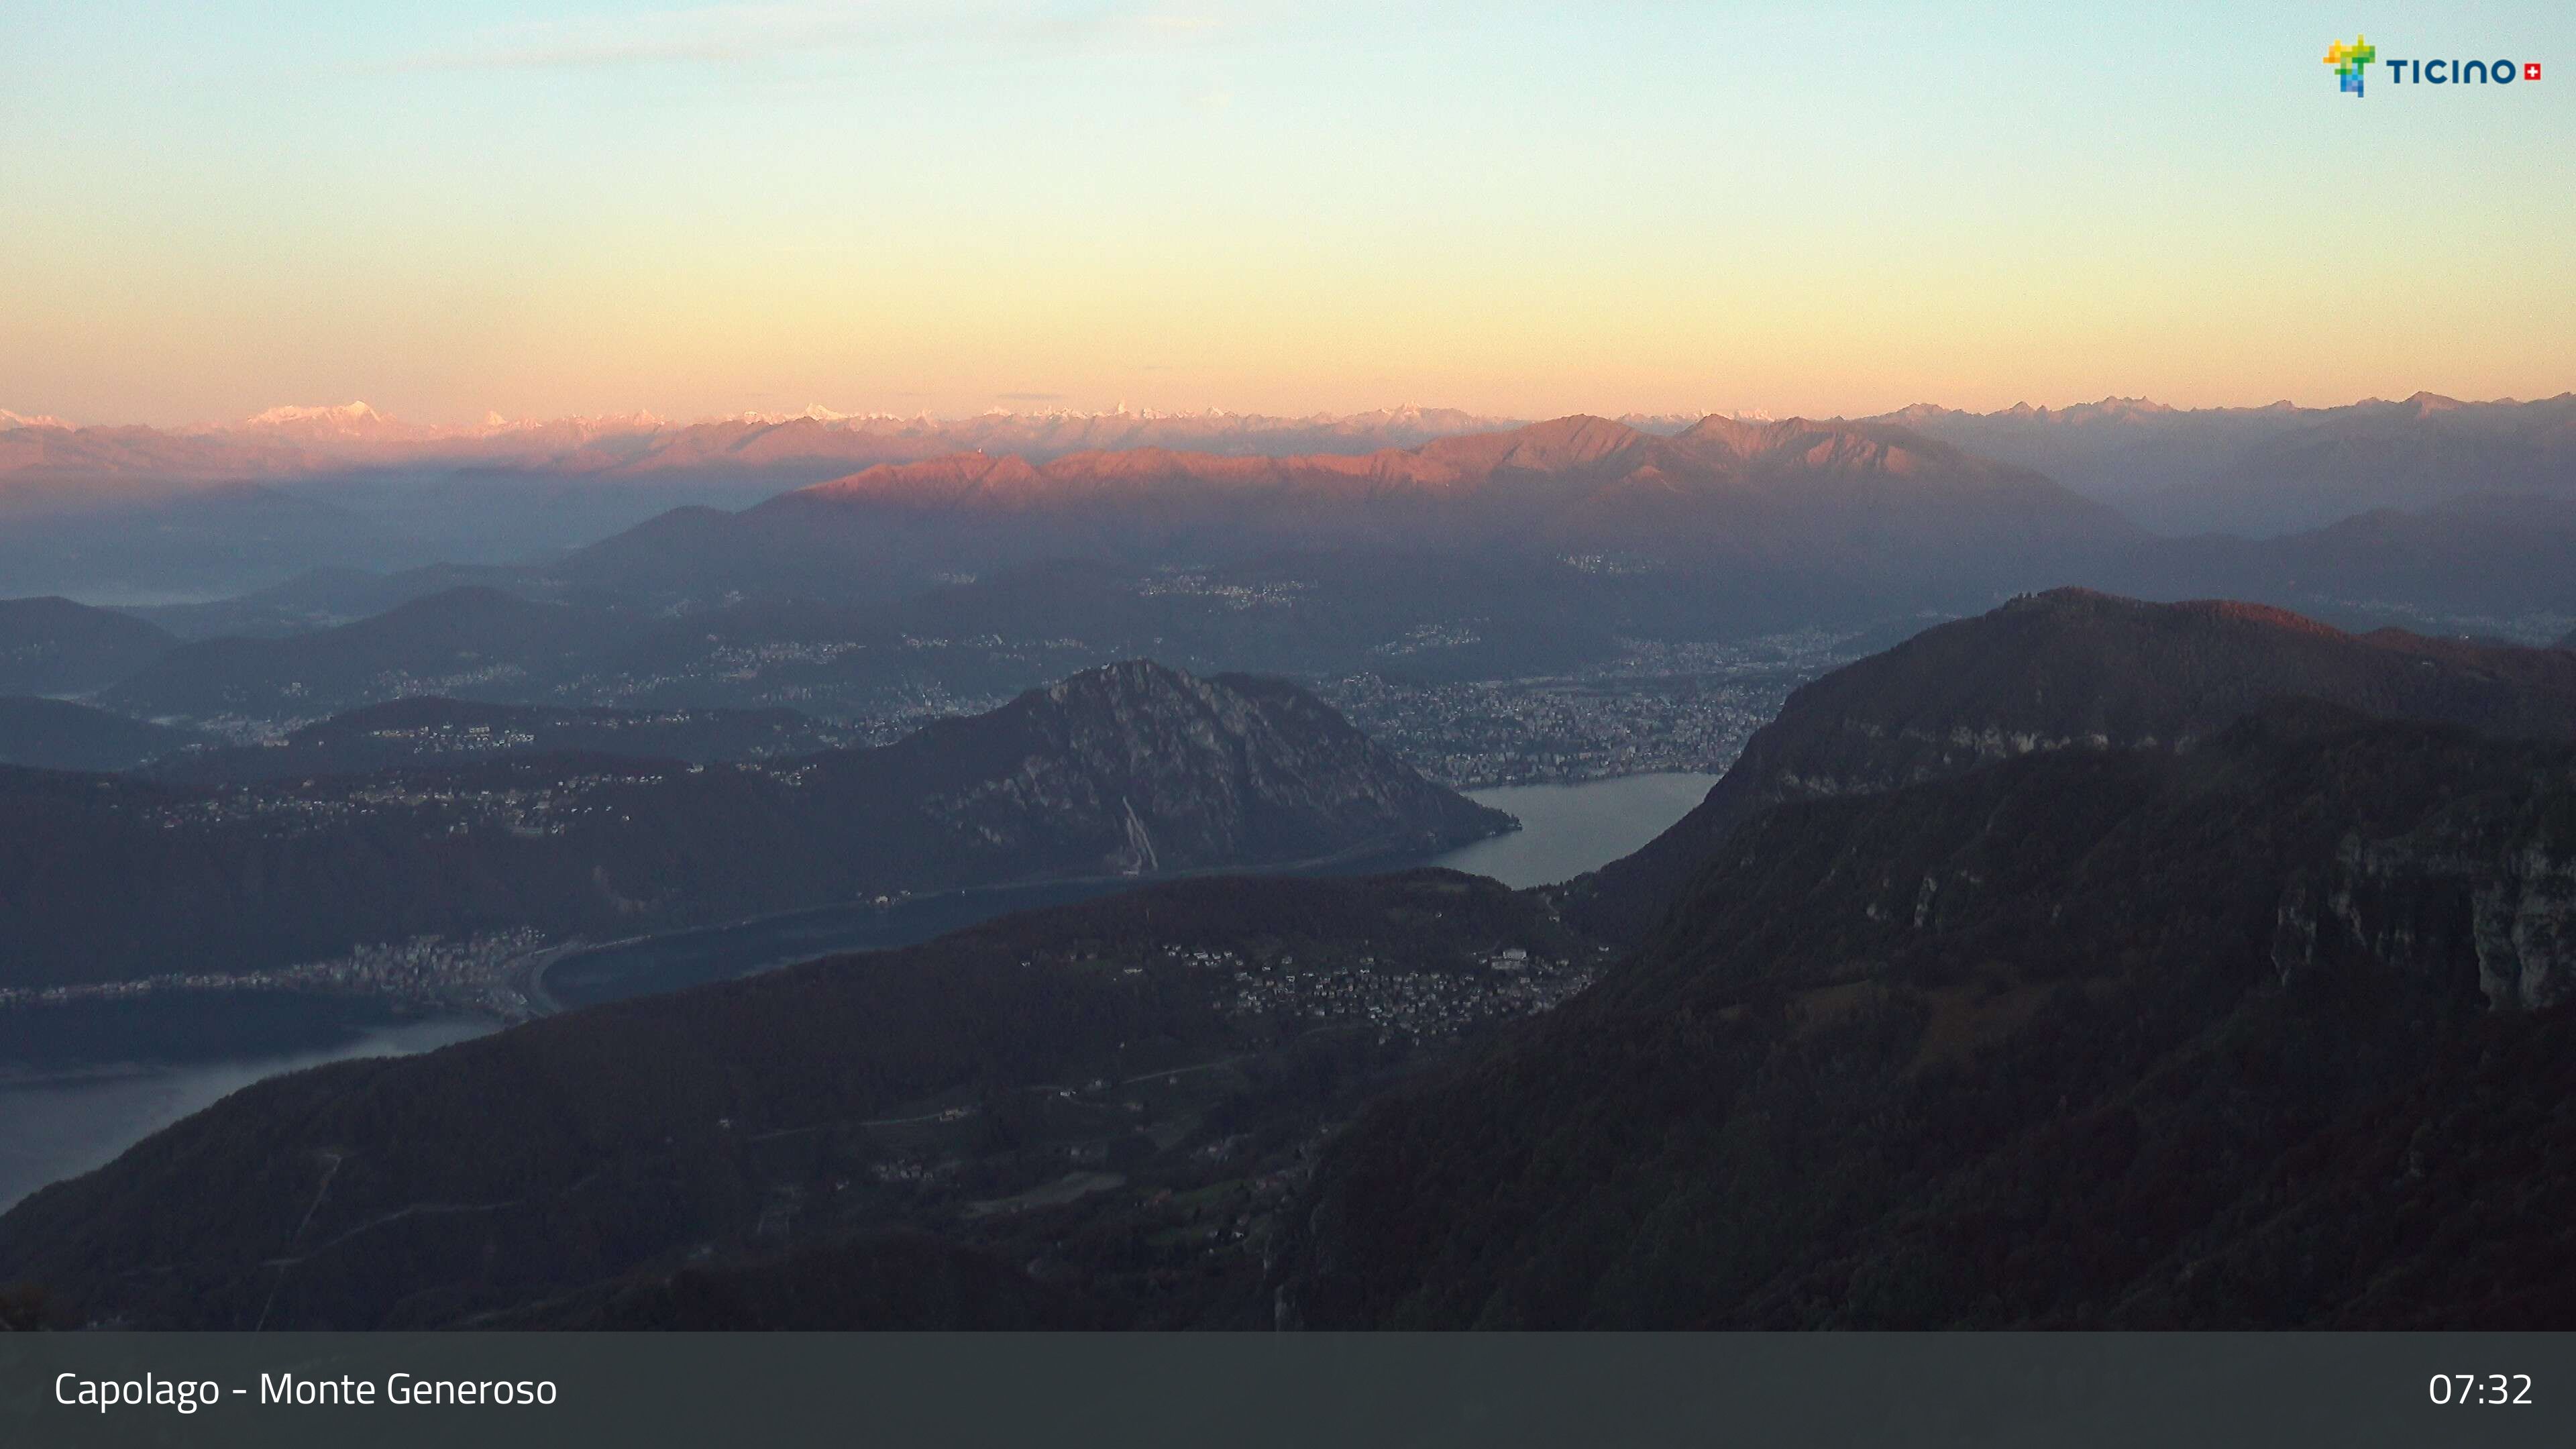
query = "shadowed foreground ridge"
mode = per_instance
[
  {"x": 2267, "y": 1034},
  {"x": 770, "y": 1152}
]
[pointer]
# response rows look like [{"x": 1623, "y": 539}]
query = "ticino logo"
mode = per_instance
[{"x": 2351, "y": 61}]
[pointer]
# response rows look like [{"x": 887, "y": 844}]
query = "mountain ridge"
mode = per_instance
[
  {"x": 56, "y": 734},
  {"x": 2072, "y": 669},
  {"x": 2279, "y": 469},
  {"x": 1130, "y": 770},
  {"x": 2125, "y": 1039},
  {"x": 51, "y": 645},
  {"x": 2257, "y": 1033},
  {"x": 1828, "y": 497},
  {"x": 285, "y": 442},
  {"x": 647, "y": 1146},
  {"x": 431, "y": 731}
]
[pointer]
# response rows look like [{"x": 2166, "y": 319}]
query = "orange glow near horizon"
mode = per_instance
[{"x": 701, "y": 213}]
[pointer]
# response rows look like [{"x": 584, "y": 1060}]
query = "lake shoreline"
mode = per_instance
[{"x": 81, "y": 1081}]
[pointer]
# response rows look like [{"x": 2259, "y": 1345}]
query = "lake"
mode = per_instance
[
  {"x": 667, "y": 962},
  {"x": 81, "y": 1082},
  {"x": 1569, "y": 829},
  {"x": 1565, "y": 831}
]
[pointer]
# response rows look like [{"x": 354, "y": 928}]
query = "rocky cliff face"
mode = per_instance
[
  {"x": 2073, "y": 670},
  {"x": 2484, "y": 882},
  {"x": 2257, "y": 1035}
]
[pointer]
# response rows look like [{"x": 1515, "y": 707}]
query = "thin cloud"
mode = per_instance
[
  {"x": 724, "y": 35},
  {"x": 1029, "y": 396}
]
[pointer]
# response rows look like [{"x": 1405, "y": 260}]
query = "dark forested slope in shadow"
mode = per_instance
[
  {"x": 2072, "y": 670},
  {"x": 2127, "y": 1038}
]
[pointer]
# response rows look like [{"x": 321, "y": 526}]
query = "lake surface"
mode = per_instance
[
  {"x": 1565, "y": 831},
  {"x": 677, "y": 959},
  {"x": 81, "y": 1082},
  {"x": 1569, "y": 829}
]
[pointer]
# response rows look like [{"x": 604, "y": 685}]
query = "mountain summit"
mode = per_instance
[
  {"x": 2259, "y": 1035},
  {"x": 2073, "y": 670},
  {"x": 1820, "y": 498},
  {"x": 1133, "y": 769}
]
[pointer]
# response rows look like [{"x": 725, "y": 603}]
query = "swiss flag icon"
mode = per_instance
[{"x": 2531, "y": 70}]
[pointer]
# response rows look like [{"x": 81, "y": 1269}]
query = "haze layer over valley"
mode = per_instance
[
  {"x": 1915, "y": 503},
  {"x": 549, "y": 716}
]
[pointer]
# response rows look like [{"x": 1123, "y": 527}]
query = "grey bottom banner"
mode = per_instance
[{"x": 365, "y": 1390}]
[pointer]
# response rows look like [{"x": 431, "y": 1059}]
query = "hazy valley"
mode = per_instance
[{"x": 2013, "y": 897}]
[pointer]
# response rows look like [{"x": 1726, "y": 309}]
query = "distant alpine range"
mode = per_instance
[
  {"x": 2179, "y": 466},
  {"x": 2288, "y": 504},
  {"x": 2184, "y": 469}
]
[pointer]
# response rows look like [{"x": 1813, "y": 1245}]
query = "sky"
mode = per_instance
[{"x": 208, "y": 208}]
